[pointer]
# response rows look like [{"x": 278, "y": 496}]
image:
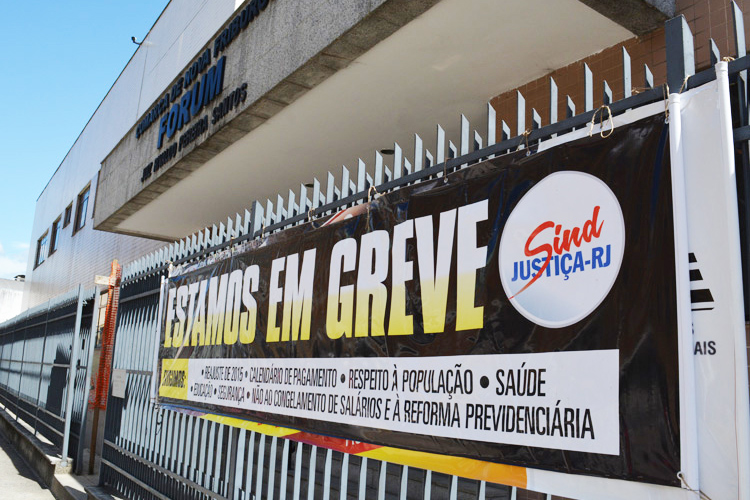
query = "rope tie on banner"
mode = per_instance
[
  {"x": 727, "y": 58},
  {"x": 665, "y": 89},
  {"x": 684, "y": 85},
  {"x": 311, "y": 214},
  {"x": 602, "y": 109},
  {"x": 526, "y": 133},
  {"x": 369, "y": 193},
  {"x": 702, "y": 495}
]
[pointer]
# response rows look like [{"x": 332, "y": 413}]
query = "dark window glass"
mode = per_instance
[
  {"x": 82, "y": 209},
  {"x": 41, "y": 248},
  {"x": 68, "y": 213},
  {"x": 55, "y": 236}
]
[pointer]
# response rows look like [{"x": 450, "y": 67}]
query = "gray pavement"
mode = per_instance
[{"x": 17, "y": 479}]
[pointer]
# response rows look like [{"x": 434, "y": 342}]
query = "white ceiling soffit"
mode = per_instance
[{"x": 448, "y": 61}]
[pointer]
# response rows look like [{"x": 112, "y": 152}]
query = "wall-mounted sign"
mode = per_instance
[
  {"x": 500, "y": 314},
  {"x": 119, "y": 383},
  {"x": 203, "y": 81}
]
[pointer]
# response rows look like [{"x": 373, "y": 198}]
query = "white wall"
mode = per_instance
[{"x": 11, "y": 293}]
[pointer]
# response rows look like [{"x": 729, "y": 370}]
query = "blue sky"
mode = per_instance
[{"x": 58, "y": 61}]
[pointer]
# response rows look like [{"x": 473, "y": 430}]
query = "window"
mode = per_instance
[
  {"x": 41, "y": 248},
  {"x": 82, "y": 209},
  {"x": 55, "y": 236},
  {"x": 68, "y": 213}
]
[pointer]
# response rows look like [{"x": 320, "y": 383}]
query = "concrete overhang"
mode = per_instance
[{"x": 329, "y": 85}]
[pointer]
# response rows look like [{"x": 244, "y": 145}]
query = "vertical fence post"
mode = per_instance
[
  {"x": 41, "y": 369},
  {"x": 20, "y": 370},
  {"x": 743, "y": 167},
  {"x": 87, "y": 383},
  {"x": 738, "y": 25},
  {"x": 154, "y": 386},
  {"x": 680, "y": 52},
  {"x": 72, "y": 379}
]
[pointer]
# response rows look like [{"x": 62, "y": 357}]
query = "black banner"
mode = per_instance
[{"x": 520, "y": 311}]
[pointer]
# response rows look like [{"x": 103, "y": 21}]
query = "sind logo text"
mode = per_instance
[
  {"x": 560, "y": 251},
  {"x": 561, "y": 248}
]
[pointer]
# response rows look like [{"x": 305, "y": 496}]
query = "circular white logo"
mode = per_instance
[{"x": 561, "y": 249}]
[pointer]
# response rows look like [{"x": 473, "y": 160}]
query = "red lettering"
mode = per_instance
[{"x": 570, "y": 238}]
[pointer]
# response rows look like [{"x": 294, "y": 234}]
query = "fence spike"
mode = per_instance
[
  {"x": 330, "y": 198},
  {"x": 257, "y": 218},
  {"x": 680, "y": 52},
  {"x": 246, "y": 225},
  {"x": 292, "y": 208},
  {"x": 588, "y": 88},
  {"x": 714, "y": 54},
  {"x": 397, "y": 161},
  {"x": 316, "y": 201},
  {"x": 344, "y": 182},
  {"x": 738, "y": 25},
  {"x": 452, "y": 150},
  {"x": 270, "y": 215},
  {"x": 552, "y": 101},
  {"x": 304, "y": 202},
  {"x": 648, "y": 77},
  {"x": 440, "y": 158},
  {"x": 536, "y": 120},
  {"x": 606, "y": 94},
  {"x": 280, "y": 209},
  {"x": 627, "y": 75},
  {"x": 520, "y": 113},
  {"x": 570, "y": 107},
  {"x": 465, "y": 131},
  {"x": 222, "y": 233},
  {"x": 378, "y": 169},
  {"x": 361, "y": 172},
  {"x": 491, "y": 124},
  {"x": 418, "y": 153}
]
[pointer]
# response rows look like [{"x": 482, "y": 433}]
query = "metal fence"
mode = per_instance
[
  {"x": 152, "y": 452},
  {"x": 44, "y": 368}
]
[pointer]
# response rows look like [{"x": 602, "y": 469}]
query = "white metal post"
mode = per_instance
[
  {"x": 72, "y": 379},
  {"x": 87, "y": 383}
]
